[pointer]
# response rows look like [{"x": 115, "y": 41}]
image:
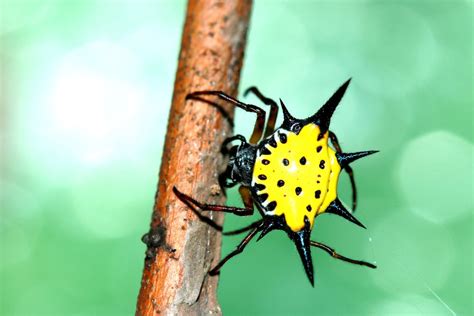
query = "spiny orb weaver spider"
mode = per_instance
[{"x": 291, "y": 175}]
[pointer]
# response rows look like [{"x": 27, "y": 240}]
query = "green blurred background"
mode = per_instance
[{"x": 85, "y": 92}]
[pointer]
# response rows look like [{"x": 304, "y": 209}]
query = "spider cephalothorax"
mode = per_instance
[
  {"x": 291, "y": 175},
  {"x": 240, "y": 165}
]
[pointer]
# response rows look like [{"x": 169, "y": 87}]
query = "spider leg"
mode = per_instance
[
  {"x": 335, "y": 255},
  {"x": 347, "y": 168},
  {"x": 243, "y": 229},
  {"x": 246, "y": 196},
  {"x": 229, "y": 140},
  {"x": 224, "y": 183},
  {"x": 212, "y": 207},
  {"x": 223, "y": 177},
  {"x": 273, "y": 109},
  {"x": 238, "y": 250},
  {"x": 201, "y": 217},
  {"x": 259, "y": 123}
]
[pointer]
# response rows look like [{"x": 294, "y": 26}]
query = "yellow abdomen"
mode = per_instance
[{"x": 297, "y": 176}]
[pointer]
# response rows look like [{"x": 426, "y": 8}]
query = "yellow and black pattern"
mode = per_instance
[
  {"x": 296, "y": 175},
  {"x": 290, "y": 174}
]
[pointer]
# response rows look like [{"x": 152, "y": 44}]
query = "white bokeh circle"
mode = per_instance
[{"x": 434, "y": 175}]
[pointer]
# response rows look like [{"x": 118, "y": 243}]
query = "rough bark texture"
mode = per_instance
[{"x": 211, "y": 56}]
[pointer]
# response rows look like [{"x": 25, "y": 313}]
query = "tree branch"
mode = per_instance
[{"x": 211, "y": 56}]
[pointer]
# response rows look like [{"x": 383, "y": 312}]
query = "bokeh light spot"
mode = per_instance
[
  {"x": 96, "y": 102},
  {"x": 435, "y": 176},
  {"x": 16, "y": 14},
  {"x": 397, "y": 64}
]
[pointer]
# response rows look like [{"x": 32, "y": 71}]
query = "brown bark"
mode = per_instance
[{"x": 211, "y": 56}]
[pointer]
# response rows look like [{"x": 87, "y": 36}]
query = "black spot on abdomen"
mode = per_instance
[
  {"x": 265, "y": 151},
  {"x": 280, "y": 183},
  {"x": 283, "y": 138},
  {"x": 262, "y": 177},
  {"x": 309, "y": 208},
  {"x": 298, "y": 190},
  {"x": 262, "y": 197},
  {"x": 272, "y": 142},
  {"x": 317, "y": 194},
  {"x": 272, "y": 205},
  {"x": 303, "y": 160},
  {"x": 321, "y": 164},
  {"x": 318, "y": 149},
  {"x": 286, "y": 162},
  {"x": 265, "y": 161}
]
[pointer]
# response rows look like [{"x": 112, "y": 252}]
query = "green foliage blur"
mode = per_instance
[{"x": 85, "y": 91}]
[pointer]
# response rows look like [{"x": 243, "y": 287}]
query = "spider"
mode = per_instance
[{"x": 290, "y": 174}]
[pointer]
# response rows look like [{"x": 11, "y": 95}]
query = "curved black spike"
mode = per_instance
[
  {"x": 324, "y": 114},
  {"x": 303, "y": 245},
  {"x": 287, "y": 117},
  {"x": 345, "y": 159},
  {"x": 337, "y": 208}
]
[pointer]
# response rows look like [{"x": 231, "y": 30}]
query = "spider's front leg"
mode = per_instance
[
  {"x": 240, "y": 211},
  {"x": 273, "y": 109},
  {"x": 193, "y": 204},
  {"x": 259, "y": 123},
  {"x": 246, "y": 211}
]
